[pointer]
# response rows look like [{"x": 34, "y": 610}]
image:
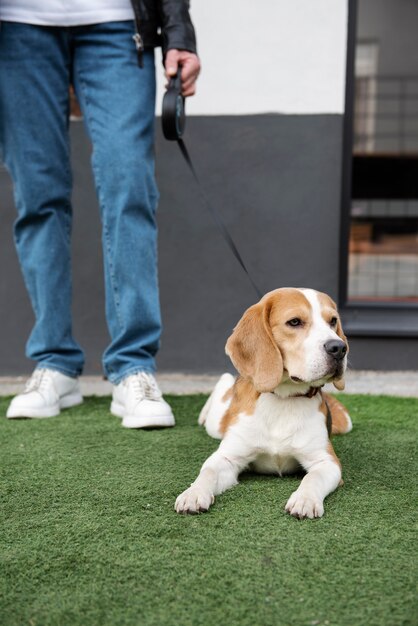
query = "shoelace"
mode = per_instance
[
  {"x": 38, "y": 381},
  {"x": 145, "y": 386}
]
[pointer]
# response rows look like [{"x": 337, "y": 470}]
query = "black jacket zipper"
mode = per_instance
[{"x": 139, "y": 45}]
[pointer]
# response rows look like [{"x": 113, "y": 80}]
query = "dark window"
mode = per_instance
[{"x": 383, "y": 232}]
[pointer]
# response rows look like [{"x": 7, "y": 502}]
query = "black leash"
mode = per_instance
[
  {"x": 216, "y": 216},
  {"x": 173, "y": 123}
]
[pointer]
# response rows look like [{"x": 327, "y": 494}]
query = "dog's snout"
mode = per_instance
[{"x": 336, "y": 348}]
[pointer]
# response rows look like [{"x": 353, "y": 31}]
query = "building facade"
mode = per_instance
[{"x": 304, "y": 132}]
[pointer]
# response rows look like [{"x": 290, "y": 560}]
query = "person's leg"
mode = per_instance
[
  {"x": 118, "y": 99},
  {"x": 34, "y": 82}
]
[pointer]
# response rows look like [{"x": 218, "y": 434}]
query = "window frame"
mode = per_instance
[{"x": 363, "y": 318}]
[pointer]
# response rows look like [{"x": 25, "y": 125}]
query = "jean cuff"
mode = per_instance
[
  {"x": 115, "y": 379},
  {"x": 61, "y": 370}
]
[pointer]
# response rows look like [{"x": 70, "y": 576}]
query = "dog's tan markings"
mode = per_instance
[
  {"x": 228, "y": 394},
  {"x": 253, "y": 350},
  {"x": 340, "y": 421},
  {"x": 244, "y": 398},
  {"x": 331, "y": 452},
  {"x": 329, "y": 310},
  {"x": 323, "y": 409},
  {"x": 288, "y": 304}
]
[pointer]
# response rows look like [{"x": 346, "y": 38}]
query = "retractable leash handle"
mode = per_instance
[
  {"x": 173, "y": 121},
  {"x": 173, "y": 114}
]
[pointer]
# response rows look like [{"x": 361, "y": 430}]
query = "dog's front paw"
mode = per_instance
[
  {"x": 194, "y": 500},
  {"x": 304, "y": 505}
]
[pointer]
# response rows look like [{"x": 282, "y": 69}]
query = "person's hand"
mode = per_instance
[{"x": 190, "y": 69}]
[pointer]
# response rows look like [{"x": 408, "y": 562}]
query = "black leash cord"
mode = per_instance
[
  {"x": 173, "y": 121},
  {"x": 216, "y": 216}
]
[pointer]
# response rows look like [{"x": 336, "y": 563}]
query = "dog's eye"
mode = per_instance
[
  {"x": 294, "y": 322},
  {"x": 333, "y": 321}
]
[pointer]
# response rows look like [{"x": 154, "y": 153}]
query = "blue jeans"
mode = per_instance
[{"x": 37, "y": 64}]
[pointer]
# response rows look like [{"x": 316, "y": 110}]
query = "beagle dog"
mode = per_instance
[{"x": 273, "y": 418}]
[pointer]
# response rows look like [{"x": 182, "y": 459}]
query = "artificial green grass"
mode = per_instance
[{"x": 89, "y": 535}]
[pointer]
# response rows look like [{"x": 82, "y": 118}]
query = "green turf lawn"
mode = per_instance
[{"x": 89, "y": 535}]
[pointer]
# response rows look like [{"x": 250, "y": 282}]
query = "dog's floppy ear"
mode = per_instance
[
  {"x": 253, "y": 351},
  {"x": 340, "y": 382}
]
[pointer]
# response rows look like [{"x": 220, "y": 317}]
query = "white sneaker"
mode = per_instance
[
  {"x": 46, "y": 393},
  {"x": 139, "y": 402}
]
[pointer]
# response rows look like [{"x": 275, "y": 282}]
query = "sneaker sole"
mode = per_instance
[
  {"x": 66, "y": 402},
  {"x": 150, "y": 421},
  {"x": 117, "y": 409},
  {"x": 160, "y": 421}
]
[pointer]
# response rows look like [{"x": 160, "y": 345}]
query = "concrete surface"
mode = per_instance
[{"x": 370, "y": 382}]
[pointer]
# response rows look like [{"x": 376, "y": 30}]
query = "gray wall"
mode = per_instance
[
  {"x": 276, "y": 181},
  {"x": 275, "y": 178}
]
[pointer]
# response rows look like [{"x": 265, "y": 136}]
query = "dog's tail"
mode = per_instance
[
  {"x": 341, "y": 421},
  {"x": 216, "y": 405}
]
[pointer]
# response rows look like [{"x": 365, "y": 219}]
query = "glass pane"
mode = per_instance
[
  {"x": 383, "y": 244},
  {"x": 383, "y": 262}
]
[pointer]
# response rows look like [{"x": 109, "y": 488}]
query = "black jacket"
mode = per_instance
[{"x": 164, "y": 23}]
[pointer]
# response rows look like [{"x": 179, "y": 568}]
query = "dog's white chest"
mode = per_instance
[{"x": 280, "y": 430}]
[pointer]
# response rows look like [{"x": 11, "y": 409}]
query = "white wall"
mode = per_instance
[{"x": 280, "y": 56}]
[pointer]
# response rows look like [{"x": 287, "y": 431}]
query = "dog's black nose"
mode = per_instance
[{"x": 336, "y": 348}]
